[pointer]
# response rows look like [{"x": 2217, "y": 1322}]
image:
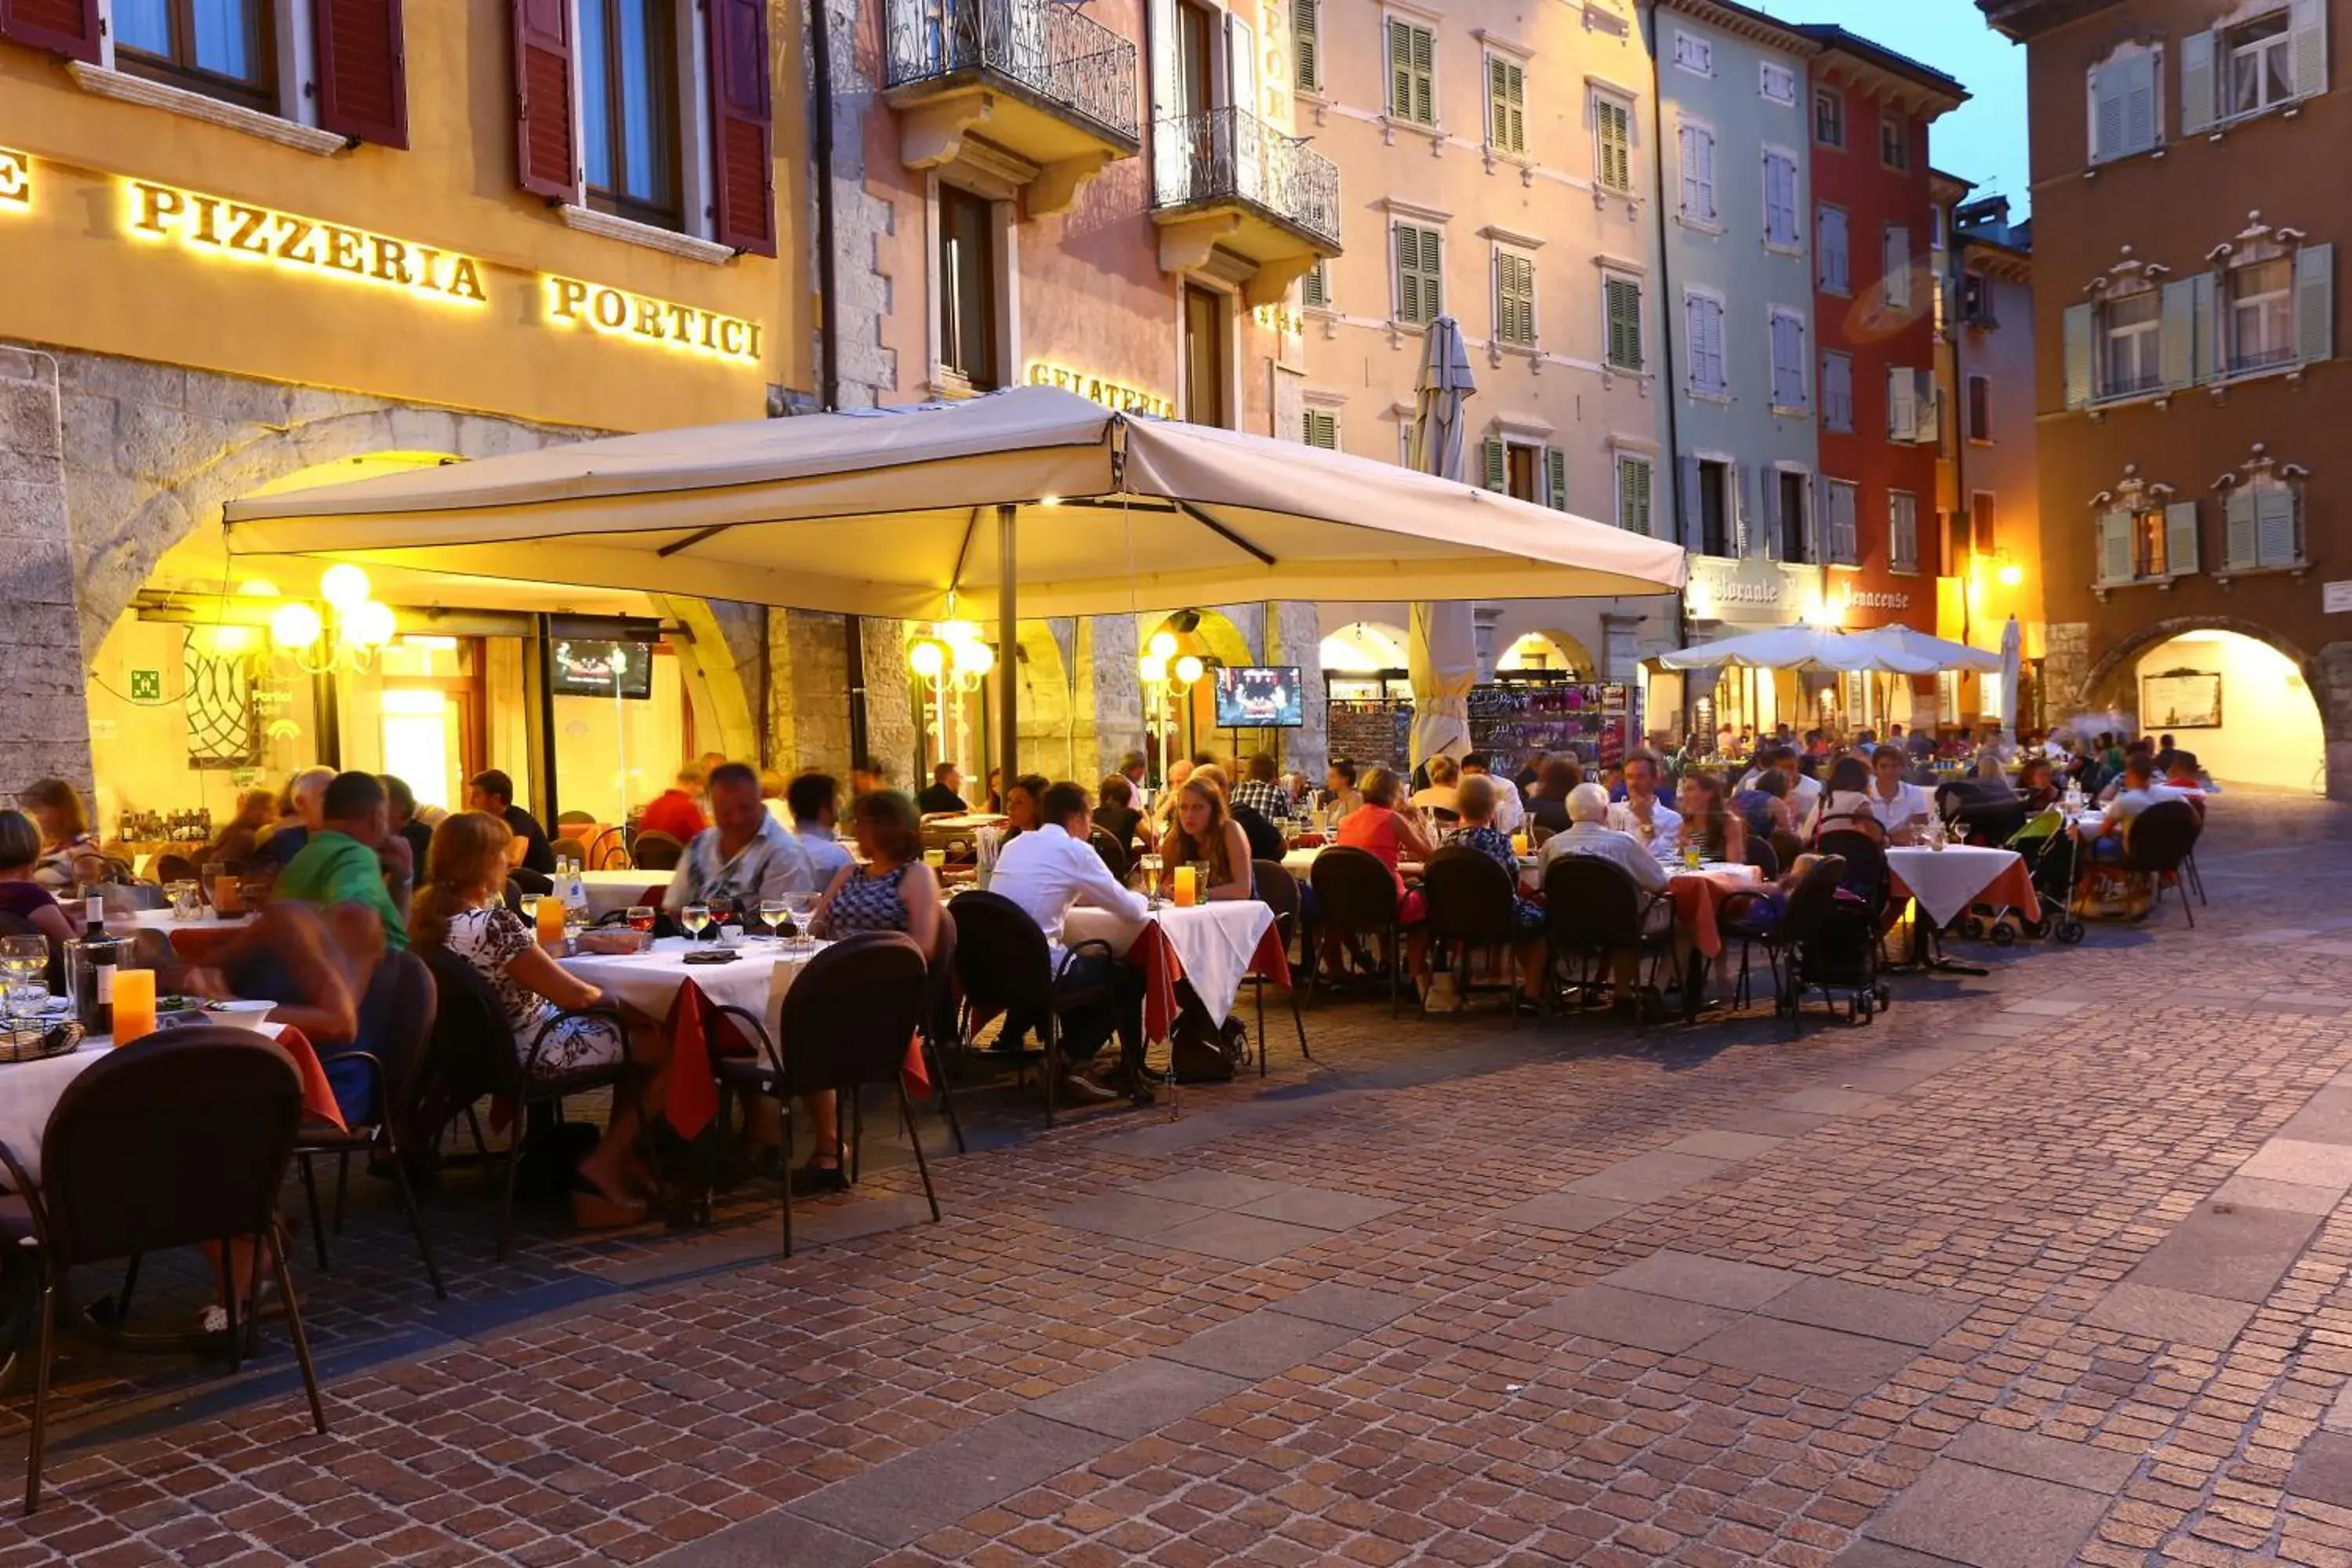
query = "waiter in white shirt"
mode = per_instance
[
  {"x": 1642, "y": 812},
  {"x": 1046, "y": 870}
]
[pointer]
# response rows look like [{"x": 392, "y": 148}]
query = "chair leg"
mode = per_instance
[
  {"x": 343, "y": 1186},
  {"x": 922, "y": 1165},
  {"x": 415, "y": 1219},
  {"x": 857, "y": 1159},
  {"x": 1299, "y": 1021},
  {"x": 310, "y": 1197},
  {"x": 481, "y": 1144},
  {"x": 294, "y": 1329},
  {"x": 40, "y": 1390},
  {"x": 1050, "y": 1069},
  {"x": 228, "y": 1301},
  {"x": 784, "y": 1106},
  {"x": 1257, "y": 990},
  {"x": 940, "y": 1081},
  {"x": 130, "y": 1280},
  {"x": 514, "y": 1170}
]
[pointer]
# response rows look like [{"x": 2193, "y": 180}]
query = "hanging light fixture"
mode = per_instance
[{"x": 362, "y": 625}]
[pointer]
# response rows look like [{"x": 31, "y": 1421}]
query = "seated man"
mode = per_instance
[
  {"x": 1261, "y": 790},
  {"x": 1045, "y": 871},
  {"x": 944, "y": 795},
  {"x": 1642, "y": 812},
  {"x": 307, "y": 792},
  {"x": 492, "y": 791},
  {"x": 677, "y": 810},
  {"x": 745, "y": 856},
  {"x": 813, "y": 799},
  {"x": 354, "y": 857},
  {"x": 1589, "y": 833},
  {"x": 1510, "y": 811},
  {"x": 2136, "y": 791}
]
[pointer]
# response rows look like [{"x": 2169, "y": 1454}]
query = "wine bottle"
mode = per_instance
[{"x": 94, "y": 995}]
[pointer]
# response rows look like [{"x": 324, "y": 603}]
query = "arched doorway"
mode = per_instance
[
  {"x": 2245, "y": 708},
  {"x": 1550, "y": 651}
]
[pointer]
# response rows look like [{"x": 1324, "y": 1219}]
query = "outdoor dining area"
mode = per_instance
[{"x": 198, "y": 1062}]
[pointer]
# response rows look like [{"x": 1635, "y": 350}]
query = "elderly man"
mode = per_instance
[
  {"x": 308, "y": 795},
  {"x": 1588, "y": 833},
  {"x": 745, "y": 856},
  {"x": 1262, "y": 791},
  {"x": 1642, "y": 812}
]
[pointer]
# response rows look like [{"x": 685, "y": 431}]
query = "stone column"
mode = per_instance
[
  {"x": 44, "y": 724},
  {"x": 2333, "y": 691},
  {"x": 891, "y": 737},
  {"x": 1486, "y": 622},
  {"x": 1108, "y": 684},
  {"x": 2065, "y": 667},
  {"x": 1294, "y": 635},
  {"x": 1621, "y": 647},
  {"x": 808, "y": 687}
]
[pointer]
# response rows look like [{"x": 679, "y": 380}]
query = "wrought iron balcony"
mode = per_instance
[
  {"x": 1043, "y": 54},
  {"x": 1228, "y": 158}
]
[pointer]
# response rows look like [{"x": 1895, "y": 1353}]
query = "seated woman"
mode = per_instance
[
  {"x": 1708, "y": 821},
  {"x": 2037, "y": 784},
  {"x": 1201, "y": 829},
  {"x": 69, "y": 851},
  {"x": 1474, "y": 800},
  {"x": 894, "y": 890},
  {"x": 20, "y": 894},
  {"x": 1388, "y": 836},
  {"x": 461, "y": 907},
  {"x": 1117, "y": 814},
  {"x": 1762, "y": 803},
  {"x": 1548, "y": 801},
  {"x": 1845, "y": 803},
  {"x": 1444, "y": 784},
  {"x": 239, "y": 842}
]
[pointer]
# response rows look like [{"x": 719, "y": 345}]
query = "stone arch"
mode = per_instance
[
  {"x": 1569, "y": 647},
  {"x": 2108, "y": 684}
]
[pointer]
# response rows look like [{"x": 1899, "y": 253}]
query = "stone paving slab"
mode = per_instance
[
  {"x": 911, "y": 1496},
  {"x": 1799, "y": 1352},
  {"x": 1725, "y": 1145},
  {"x": 1322, "y": 1210},
  {"x": 2323, "y": 1472},
  {"x": 1710, "y": 1281},
  {"x": 1991, "y": 1518},
  {"x": 1564, "y": 1211},
  {"x": 2180, "y": 1315},
  {"x": 1904, "y": 1317},
  {"x": 1658, "y": 1323},
  {"x": 2047, "y": 1458},
  {"x": 1241, "y": 1238},
  {"x": 1129, "y": 1215},
  {"x": 2325, "y": 1117},
  {"x": 1138, "y": 1398},
  {"x": 773, "y": 1539},
  {"x": 1257, "y": 1346},
  {"x": 1347, "y": 1306},
  {"x": 2296, "y": 1160},
  {"x": 1209, "y": 1189},
  {"x": 2232, "y": 1251},
  {"x": 1827, "y": 1102},
  {"x": 1645, "y": 1178},
  {"x": 2294, "y": 1197}
]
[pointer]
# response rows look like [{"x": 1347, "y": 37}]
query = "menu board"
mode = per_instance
[{"x": 1369, "y": 734}]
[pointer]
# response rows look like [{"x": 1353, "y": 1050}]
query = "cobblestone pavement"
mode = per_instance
[{"x": 2043, "y": 1267}]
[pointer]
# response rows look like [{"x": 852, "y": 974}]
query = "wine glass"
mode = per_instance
[
  {"x": 695, "y": 918},
  {"x": 528, "y": 907},
  {"x": 800, "y": 906},
  {"x": 641, "y": 918},
  {"x": 25, "y": 970},
  {"x": 772, "y": 913}
]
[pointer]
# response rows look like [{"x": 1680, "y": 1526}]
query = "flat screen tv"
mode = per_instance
[
  {"x": 581, "y": 668},
  {"x": 1259, "y": 697}
]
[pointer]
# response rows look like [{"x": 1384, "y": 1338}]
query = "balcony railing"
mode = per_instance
[
  {"x": 1225, "y": 155},
  {"x": 1048, "y": 51},
  {"x": 2133, "y": 386}
]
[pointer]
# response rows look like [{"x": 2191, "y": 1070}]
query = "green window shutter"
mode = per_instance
[
  {"x": 1322, "y": 429},
  {"x": 1506, "y": 105},
  {"x": 2115, "y": 547},
  {"x": 2204, "y": 349},
  {"x": 1424, "y": 76},
  {"x": 1401, "y": 69},
  {"x": 1408, "y": 269},
  {"x": 2274, "y": 528},
  {"x": 1614, "y": 126},
  {"x": 2078, "y": 355},
  {"x": 1306, "y": 43},
  {"x": 1433, "y": 270},
  {"x": 1556, "y": 479},
  {"x": 2197, "y": 83},
  {"x": 2241, "y": 536},
  {"x": 2315, "y": 303},
  {"x": 1623, "y": 300},
  {"x": 2181, "y": 537},
  {"x": 1315, "y": 288},
  {"x": 1496, "y": 472}
]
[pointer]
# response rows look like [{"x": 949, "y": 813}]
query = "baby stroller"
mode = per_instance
[
  {"x": 1830, "y": 940},
  {"x": 2052, "y": 856}
]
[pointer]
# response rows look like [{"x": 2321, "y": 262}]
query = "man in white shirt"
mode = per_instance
[
  {"x": 813, "y": 800},
  {"x": 1901, "y": 806},
  {"x": 745, "y": 856},
  {"x": 1510, "y": 811},
  {"x": 1640, "y": 813},
  {"x": 1588, "y": 833},
  {"x": 1047, "y": 870},
  {"x": 2139, "y": 791}
]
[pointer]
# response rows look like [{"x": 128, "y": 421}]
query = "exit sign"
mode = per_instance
[{"x": 146, "y": 686}]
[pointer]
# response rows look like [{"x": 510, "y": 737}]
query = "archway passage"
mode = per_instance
[
  {"x": 1550, "y": 650},
  {"x": 2245, "y": 708}
]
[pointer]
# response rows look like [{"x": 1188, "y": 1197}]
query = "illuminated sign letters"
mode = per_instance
[
  {"x": 209, "y": 225},
  {"x": 16, "y": 180},
  {"x": 617, "y": 312},
  {"x": 1094, "y": 389}
]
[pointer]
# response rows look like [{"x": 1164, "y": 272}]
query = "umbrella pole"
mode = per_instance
[{"x": 1008, "y": 644}]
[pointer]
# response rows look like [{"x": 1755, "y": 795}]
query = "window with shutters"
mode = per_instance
[
  {"x": 2263, "y": 516},
  {"x": 1306, "y": 45},
  {"x": 1831, "y": 249},
  {"x": 1703, "y": 317},
  {"x": 2130, "y": 345},
  {"x": 1420, "y": 274},
  {"x": 1777, "y": 82},
  {"x": 1902, "y": 532},
  {"x": 222, "y": 48},
  {"x": 1982, "y": 516},
  {"x": 2261, "y": 316},
  {"x": 1696, "y": 145},
  {"x": 628, "y": 109},
  {"x": 968, "y": 291},
  {"x": 1894, "y": 260},
  {"x": 2148, "y": 543},
  {"x": 2257, "y": 64},
  {"x": 1829, "y": 117},
  {"x": 1412, "y": 72},
  {"x": 1635, "y": 478},
  {"x": 1780, "y": 211},
  {"x": 1980, "y": 410},
  {"x": 1837, "y": 393},
  {"x": 1321, "y": 429},
  {"x": 1612, "y": 142},
  {"x": 1314, "y": 287},
  {"x": 1789, "y": 360},
  {"x": 1620, "y": 303},
  {"x": 1506, "y": 105},
  {"x": 1838, "y": 501},
  {"x": 1694, "y": 52},
  {"x": 2125, "y": 107},
  {"x": 1893, "y": 141},
  {"x": 1712, "y": 500},
  {"x": 1515, "y": 299}
]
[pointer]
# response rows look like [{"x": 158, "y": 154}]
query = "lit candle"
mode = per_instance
[
  {"x": 1186, "y": 887},
  {"x": 134, "y": 1005}
]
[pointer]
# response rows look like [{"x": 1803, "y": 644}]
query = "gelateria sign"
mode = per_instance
[
  {"x": 215, "y": 228},
  {"x": 1094, "y": 389}
]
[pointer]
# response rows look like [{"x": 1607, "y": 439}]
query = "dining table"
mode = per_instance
[
  {"x": 610, "y": 891},
  {"x": 661, "y": 984},
  {"x": 192, "y": 941},
  {"x": 1943, "y": 883},
  {"x": 1212, "y": 945}
]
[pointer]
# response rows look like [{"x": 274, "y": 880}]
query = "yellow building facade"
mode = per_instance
[{"x": 235, "y": 253}]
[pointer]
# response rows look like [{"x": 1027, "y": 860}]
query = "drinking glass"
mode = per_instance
[
  {"x": 799, "y": 907},
  {"x": 695, "y": 918},
  {"x": 772, "y": 913},
  {"x": 25, "y": 971},
  {"x": 526, "y": 906},
  {"x": 641, "y": 918}
]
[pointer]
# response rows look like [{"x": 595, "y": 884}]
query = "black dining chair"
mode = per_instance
[
  {"x": 847, "y": 1022},
  {"x": 1278, "y": 889},
  {"x": 1594, "y": 910},
  {"x": 1112, "y": 852},
  {"x": 2159, "y": 843},
  {"x": 653, "y": 851},
  {"x": 178, "y": 1140},
  {"x": 1006, "y": 967},
  {"x": 1356, "y": 897},
  {"x": 475, "y": 1050},
  {"x": 1471, "y": 900},
  {"x": 407, "y": 1024}
]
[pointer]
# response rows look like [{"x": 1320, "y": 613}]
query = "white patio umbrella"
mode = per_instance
[
  {"x": 1443, "y": 655},
  {"x": 1798, "y": 647},
  {"x": 2010, "y": 657},
  {"x": 889, "y": 512},
  {"x": 1943, "y": 653}
]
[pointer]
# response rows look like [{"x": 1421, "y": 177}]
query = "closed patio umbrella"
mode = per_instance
[
  {"x": 2010, "y": 651},
  {"x": 1443, "y": 653}
]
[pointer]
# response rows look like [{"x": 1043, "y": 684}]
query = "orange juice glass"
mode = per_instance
[
  {"x": 550, "y": 917},
  {"x": 134, "y": 1005},
  {"x": 1188, "y": 887}
]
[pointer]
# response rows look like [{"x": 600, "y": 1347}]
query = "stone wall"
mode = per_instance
[
  {"x": 44, "y": 724},
  {"x": 2065, "y": 667},
  {"x": 1293, "y": 635},
  {"x": 2333, "y": 688},
  {"x": 861, "y": 220}
]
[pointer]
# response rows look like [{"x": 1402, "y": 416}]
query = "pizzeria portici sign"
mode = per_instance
[{"x": 217, "y": 228}]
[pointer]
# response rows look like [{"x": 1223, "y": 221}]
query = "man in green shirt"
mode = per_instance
[{"x": 349, "y": 860}]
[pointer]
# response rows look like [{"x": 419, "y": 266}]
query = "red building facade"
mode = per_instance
[{"x": 1877, "y": 316}]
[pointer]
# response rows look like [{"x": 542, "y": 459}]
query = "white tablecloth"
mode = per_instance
[
  {"x": 161, "y": 919},
  {"x": 1215, "y": 943},
  {"x": 30, "y": 1090},
  {"x": 1946, "y": 882},
  {"x": 610, "y": 890},
  {"x": 648, "y": 982}
]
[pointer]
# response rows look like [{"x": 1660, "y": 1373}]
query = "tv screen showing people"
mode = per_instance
[
  {"x": 1259, "y": 697},
  {"x": 601, "y": 669}
]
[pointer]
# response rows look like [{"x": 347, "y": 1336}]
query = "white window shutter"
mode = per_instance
[
  {"x": 1706, "y": 147},
  {"x": 2106, "y": 113},
  {"x": 2178, "y": 333},
  {"x": 1895, "y": 286},
  {"x": 1902, "y": 405},
  {"x": 2204, "y": 360},
  {"x": 2198, "y": 83},
  {"x": 2315, "y": 303},
  {"x": 1743, "y": 509},
  {"x": 2241, "y": 535},
  {"x": 2181, "y": 537},
  {"x": 2140, "y": 127},
  {"x": 2115, "y": 547},
  {"x": 1170, "y": 146},
  {"x": 1768, "y": 511},
  {"x": 1831, "y": 244},
  {"x": 2274, "y": 528},
  {"x": 2310, "y": 26},
  {"x": 2078, "y": 325},
  {"x": 1928, "y": 419},
  {"x": 1689, "y": 140}
]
